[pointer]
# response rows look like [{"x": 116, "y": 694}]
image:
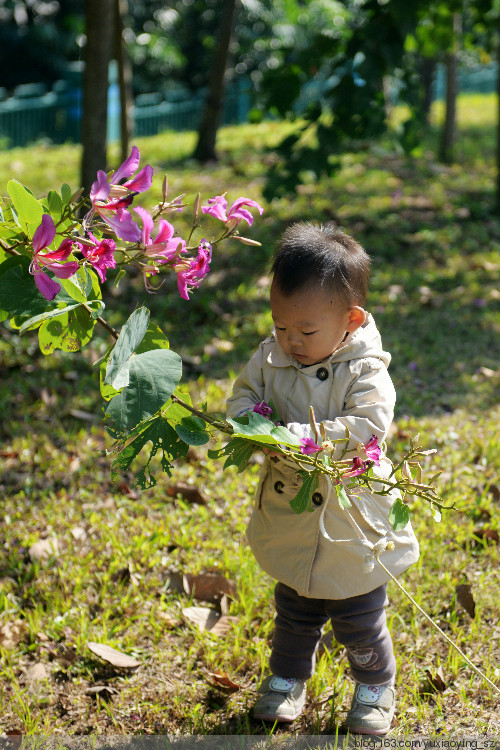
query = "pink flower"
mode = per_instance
[
  {"x": 358, "y": 467},
  {"x": 100, "y": 255},
  {"x": 308, "y": 446},
  {"x": 190, "y": 273},
  {"x": 263, "y": 409},
  {"x": 217, "y": 207},
  {"x": 164, "y": 247},
  {"x": 112, "y": 196},
  {"x": 43, "y": 237},
  {"x": 373, "y": 451}
]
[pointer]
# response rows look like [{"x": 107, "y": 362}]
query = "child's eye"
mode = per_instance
[{"x": 309, "y": 333}]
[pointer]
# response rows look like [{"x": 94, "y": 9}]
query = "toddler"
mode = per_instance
[{"x": 325, "y": 351}]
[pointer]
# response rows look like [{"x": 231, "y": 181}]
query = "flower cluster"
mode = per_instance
[{"x": 149, "y": 248}]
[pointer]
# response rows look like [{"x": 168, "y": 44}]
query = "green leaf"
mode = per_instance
[
  {"x": 262, "y": 430},
  {"x": 163, "y": 438},
  {"x": 69, "y": 332},
  {"x": 302, "y": 499},
  {"x": 54, "y": 203},
  {"x": 18, "y": 293},
  {"x": 66, "y": 193},
  {"x": 399, "y": 515},
  {"x": 29, "y": 210},
  {"x": 131, "y": 335},
  {"x": 343, "y": 499},
  {"x": 78, "y": 286},
  {"x": 153, "y": 377},
  {"x": 238, "y": 452},
  {"x": 192, "y": 431},
  {"x": 38, "y": 319},
  {"x": 154, "y": 338}
]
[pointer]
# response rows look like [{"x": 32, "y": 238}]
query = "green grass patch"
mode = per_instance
[{"x": 113, "y": 560}]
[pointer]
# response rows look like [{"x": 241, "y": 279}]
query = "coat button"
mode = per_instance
[
  {"x": 322, "y": 373},
  {"x": 278, "y": 487},
  {"x": 317, "y": 499}
]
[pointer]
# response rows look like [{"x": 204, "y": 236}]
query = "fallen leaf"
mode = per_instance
[
  {"x": 114, "y": 657},
  {"x": 101, "y": 690},
  {"x": 436, "y": 680},
  {"x": 204, "y": 617},
  {"x": 465, "y": 599},
  {"x": 494, "y": 491},
  {"x": 188, "y": 492},
  {"x": 12, "y": 633},
  {"x": 168, "y": 619},
  {"x": 208, "y": 587},
  {"x": 486, "y": 535},
  {"x": 44, "y": 549},
  {"x": 223, "y": 625},
  {"x": 220, "y": 679}
]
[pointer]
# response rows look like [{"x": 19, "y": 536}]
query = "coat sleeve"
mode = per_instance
[
  {"x": 248, "y": 388},
  {"x": 368, "y": 405}
]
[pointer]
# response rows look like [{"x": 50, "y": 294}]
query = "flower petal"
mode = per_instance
[
  {"x": 217, "y": 207},
  {"x": 63, "y": 270},
  {"x": 44, "y": 234},
  {"x": 128, "y": 167},
  {"x": 142, "y": 181},
  {"x": 123, "y": 226},
  {"x": 147, "y": 224},
  {"x": 100, "y": 188},
  {"x": 46, "y": 286}
]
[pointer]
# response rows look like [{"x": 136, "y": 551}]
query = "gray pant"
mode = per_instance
[{"x": 359, "y": 624}]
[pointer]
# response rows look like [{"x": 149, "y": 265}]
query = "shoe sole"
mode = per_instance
[
  {"x": 364, "y": 730},
  {"x": 274, "y": 718}
]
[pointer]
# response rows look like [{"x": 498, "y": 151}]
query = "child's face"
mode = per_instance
[{"x": 310, "y": 325}]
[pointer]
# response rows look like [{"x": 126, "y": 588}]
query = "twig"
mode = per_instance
[{"x": 429, "y": 618}]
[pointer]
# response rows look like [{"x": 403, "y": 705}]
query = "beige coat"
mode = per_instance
[{"x": 325, "y": 553}]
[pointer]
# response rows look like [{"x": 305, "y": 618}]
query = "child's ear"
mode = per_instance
[{"x": 357, "y": 317}]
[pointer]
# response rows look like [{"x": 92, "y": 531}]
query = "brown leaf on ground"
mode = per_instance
[
  {"x": 486, "y": 535},
  {"x": 112, "y": 656},
  {"x": 44, "y": 549},
  {"x": 204, "y": 617},
  {"x": 221, "y": 680},
  {"x": 223, "y": 625},
  {"x": 436, "y": 680},
  {"x": 188, "y": 492},
  {"x": 465, "y": 599},
  {"x": 12, "y": 633},
  {"x": 208, "y": 587},
  {"x": 494, "y": 491}
]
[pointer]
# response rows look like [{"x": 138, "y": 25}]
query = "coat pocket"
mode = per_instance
[{"x": 374, "y": 509}]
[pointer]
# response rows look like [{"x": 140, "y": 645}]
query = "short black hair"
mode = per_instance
[{"x": 310, "y": 254}]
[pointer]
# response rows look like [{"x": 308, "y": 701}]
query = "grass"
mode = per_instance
[{"x": 113, "y": 573}]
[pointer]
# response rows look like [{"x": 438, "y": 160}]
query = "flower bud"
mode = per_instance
[
  {"x": 406, "y": 471},
  {"x": 247, "y": 241}
]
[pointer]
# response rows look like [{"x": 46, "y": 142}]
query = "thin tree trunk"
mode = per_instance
[
  {"x": 212, "y": 109},
  {"x": 99, "y": 16},
  {"x": 448, "y": 132},
  {"x": 124, "y": 78},
  {"x": 427, "y": 69}
]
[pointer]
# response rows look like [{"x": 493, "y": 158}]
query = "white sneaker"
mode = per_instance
[
  {"x": 372, "y": 709},
  {"x": 282, "y": 700}
]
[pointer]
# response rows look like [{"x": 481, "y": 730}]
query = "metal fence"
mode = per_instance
[{"x": 32, "y": 113}]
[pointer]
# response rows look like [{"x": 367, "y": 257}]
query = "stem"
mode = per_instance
[
  {"x": 214, "y": 422},
  {"x": 429, "y": 618},
  {"x": 103, "y": 323}
]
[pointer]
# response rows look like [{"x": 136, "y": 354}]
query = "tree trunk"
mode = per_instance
[
  {"x": 212, "y": 109},
  {"x": 427, "y": 69},
  {"x": 99, "y": 17},
  {"x": 124, "y": 78},
  {"x": 448, "y": 131}
]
